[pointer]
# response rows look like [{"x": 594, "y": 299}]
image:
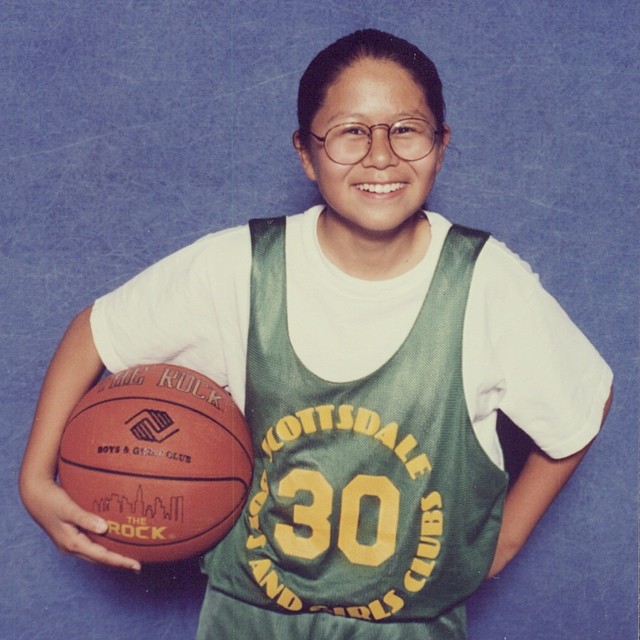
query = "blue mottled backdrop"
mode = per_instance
[{"x": 128, "y": 129}]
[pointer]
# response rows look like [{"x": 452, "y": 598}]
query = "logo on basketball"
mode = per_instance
[
  {"x": 137, "y": 518},
  {"x": 150, "y": 425}
]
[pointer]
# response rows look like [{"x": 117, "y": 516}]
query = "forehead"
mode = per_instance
[{"x": 373, "y": 89}]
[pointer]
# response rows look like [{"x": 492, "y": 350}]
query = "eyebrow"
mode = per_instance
[{"x": 344, "y": 116}]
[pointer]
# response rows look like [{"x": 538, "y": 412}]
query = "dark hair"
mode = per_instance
[{"x": 325, "y": 68}]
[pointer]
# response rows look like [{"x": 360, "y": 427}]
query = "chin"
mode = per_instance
[{"x": 382, "y": 226}]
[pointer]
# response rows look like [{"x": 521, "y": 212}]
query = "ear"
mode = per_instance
[
  {"x": 305, "y": 156},
  {"x": 442, "y": 147}
]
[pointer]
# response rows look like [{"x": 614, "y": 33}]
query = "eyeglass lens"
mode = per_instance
[{"x": 349, "y": 143}]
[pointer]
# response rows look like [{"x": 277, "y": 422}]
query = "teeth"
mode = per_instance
[{"x": 380, "y": 188}]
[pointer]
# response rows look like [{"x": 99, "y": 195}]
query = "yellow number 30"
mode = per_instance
[{"x": 316, "y": 515}]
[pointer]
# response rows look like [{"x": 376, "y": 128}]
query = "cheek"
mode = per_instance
[
  {"x": 426, "y": 175},
  {"x": 433, "y": 164},
  {"x": 328, "y": 174}
]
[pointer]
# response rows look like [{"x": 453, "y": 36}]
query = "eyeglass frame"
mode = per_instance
[{"x": 322, "y": 139}]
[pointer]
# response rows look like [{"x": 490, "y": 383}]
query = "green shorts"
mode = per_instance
[{"x": 223, "y": 618}]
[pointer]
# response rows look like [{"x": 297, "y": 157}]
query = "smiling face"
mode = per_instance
[{"x": 379, "y": 194}]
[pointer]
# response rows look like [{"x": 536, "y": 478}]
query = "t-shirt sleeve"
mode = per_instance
[
  {"x": 552, "y": 381},
  {"x": 177, "y": 310}
]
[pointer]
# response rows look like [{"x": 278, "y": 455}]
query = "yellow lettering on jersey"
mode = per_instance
[
  {"x": 307, "y": 420},
  {"x": 388, "y": 435},
  {"x": 413, "y": 584},
  {"x": 391, "y": 600},
  {"x": 257, "y": 503},
  {"x": 431, "y": 523},
  {"x": 362, "y": 613},
  {"x": 367, "y": 422},
  {"x": 346, "y": 417},
  {"x": 402, "y": 450},
  {"x": 274, "y": 589},
  {"x": 289, "y": 600},
  {"x": 288, "y": 429},
  {"x": 434, "y": 499},
  {"x": 270, "y": 444},
  {"x": 259, "y": 568},
  {"x": 271, "y": 584},
  {"x": 258, "y": 539},
  {"x": 325, "y": 415},
  {"x": 429, "y": 546},
  {"x": 422, "y": 568},
  {"x": 256, "y": 542},
  {"x": 418, "y": 465},
  {"x": 378, "y": 609}
]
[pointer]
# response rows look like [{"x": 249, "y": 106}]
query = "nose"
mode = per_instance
[{"x": 380, "y": 153}]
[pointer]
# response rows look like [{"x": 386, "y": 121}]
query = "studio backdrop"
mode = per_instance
[{"x": 130, "y": 129}]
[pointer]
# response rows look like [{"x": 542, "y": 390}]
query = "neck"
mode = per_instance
[{"x": 372, "y": 255}]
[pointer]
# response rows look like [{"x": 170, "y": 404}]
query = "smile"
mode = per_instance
[{"x": 380, "y": 188}]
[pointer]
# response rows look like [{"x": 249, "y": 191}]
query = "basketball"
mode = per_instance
[{"x": 164, "y": 455}]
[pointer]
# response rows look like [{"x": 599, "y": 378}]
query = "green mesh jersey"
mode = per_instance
[{"x": 370, "y": 499}]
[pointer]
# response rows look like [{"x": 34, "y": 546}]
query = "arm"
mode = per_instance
[
  {"x": 538, "y": 484},
  {"x": 74, "y": 367}
]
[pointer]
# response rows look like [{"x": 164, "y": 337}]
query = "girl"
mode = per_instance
[{"x": 371, "y": 344}]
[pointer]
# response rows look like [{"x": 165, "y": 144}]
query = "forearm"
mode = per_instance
[
  {"x": 539, "y": 482},
  {"x": 74, "y": 368}
]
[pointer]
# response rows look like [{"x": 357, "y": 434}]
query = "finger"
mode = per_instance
[
  {"x": 88, "y": 521},
  {"x": 82, "y": 546},
  {"x": 75, "y": 515}
]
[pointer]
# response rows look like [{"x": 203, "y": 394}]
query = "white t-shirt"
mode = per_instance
[{"x": 521, "y": 352}]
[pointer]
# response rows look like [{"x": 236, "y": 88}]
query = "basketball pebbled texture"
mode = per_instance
[{"x": 164, "y": 455}]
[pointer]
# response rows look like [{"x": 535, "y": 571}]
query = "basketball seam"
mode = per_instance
[
  {"x": 171, "y": 402},
  {"x": 155, "y": 477}
]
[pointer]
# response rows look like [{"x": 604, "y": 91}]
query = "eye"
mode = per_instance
[
  {"x": 400, "y": 129},
  {"x": 407, "y": 128},
  {"x": 352, "y": 129}
]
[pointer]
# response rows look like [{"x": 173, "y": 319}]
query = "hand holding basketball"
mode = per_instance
[
  {"x": 163, "y": 455},
  {"x": 66, "y": 523}
]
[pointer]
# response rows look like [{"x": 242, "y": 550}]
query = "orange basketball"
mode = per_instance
[{"x": 164, "y": 455}]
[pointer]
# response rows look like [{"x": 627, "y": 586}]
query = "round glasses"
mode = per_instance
[{"x": 348, "y": 143}]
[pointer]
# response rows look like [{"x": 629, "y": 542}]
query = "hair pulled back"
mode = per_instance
[{"x": 325, "y": 68}]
